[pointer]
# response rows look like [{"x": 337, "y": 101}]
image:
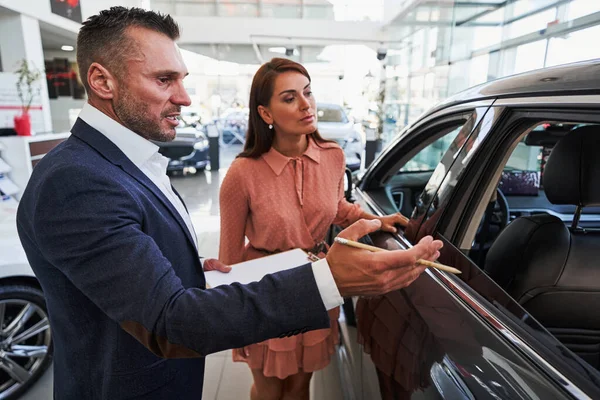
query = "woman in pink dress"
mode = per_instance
[{"x": 283, "y": 192}]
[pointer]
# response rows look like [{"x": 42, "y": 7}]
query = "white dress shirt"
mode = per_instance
[{"x": 144, "y": 155}]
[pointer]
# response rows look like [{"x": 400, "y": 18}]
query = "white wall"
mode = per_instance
[
  {"x": 20, "y": 40},
  {"x": 60, "y": 112},
  {"x": 275, "y": 30}
]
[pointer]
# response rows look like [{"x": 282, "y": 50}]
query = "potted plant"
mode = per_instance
[{"x": 27, "y": 76}]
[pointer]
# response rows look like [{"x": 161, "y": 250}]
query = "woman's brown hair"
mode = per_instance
[{"x": 259, "y": 137}]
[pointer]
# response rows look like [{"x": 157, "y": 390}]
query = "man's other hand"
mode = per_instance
[
  {"x": 212, "y": 264},
  {"x": 360, "y": 272}
]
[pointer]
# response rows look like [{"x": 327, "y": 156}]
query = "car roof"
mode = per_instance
[{"x": 579, "y": 78}]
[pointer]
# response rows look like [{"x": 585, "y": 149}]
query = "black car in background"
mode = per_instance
[
  {"x": 506, "y": 175},
  {"x": 188, "y": 151}
]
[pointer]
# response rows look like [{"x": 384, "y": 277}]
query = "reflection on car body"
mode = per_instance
[{"x": 473, "y": 336}]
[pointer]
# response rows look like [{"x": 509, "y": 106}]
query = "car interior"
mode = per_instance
[
  {"x": 545, "y": 255},
  {"x": 539, "y": 234}
]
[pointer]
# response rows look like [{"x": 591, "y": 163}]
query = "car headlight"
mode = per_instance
[
  {"x": 201, "y": 144},
  {"x": 353, "y": 137}
]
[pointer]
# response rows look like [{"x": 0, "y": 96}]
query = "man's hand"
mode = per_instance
[
  {"x": 362, "y": 273},
  {"x": 212, "y": 264}
]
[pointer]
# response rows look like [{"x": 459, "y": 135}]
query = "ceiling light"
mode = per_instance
[
  {"x": 66, "y": 47},
  {"x": 280, "y": 50}
]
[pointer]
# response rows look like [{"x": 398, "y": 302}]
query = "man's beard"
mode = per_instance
[{"x": 134, "y": 115}]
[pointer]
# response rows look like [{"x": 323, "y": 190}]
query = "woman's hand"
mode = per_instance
[
  {"x": 389, "y": 221},
  {"x": 212, "y": 264},
  {"x": 243, "y": 352}
]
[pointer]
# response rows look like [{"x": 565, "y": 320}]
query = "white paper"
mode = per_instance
[
  {"x": 255, "y": 270},
  {"x": 4, "y": 167},
  {"x": 7, "y": 186}
]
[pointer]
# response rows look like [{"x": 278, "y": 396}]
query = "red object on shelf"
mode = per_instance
[{"x": 23, "y": 124}]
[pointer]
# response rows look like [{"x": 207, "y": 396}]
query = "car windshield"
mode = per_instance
[{"x": 330, "y": 114}]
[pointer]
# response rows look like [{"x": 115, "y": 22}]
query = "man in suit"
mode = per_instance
[{"x": 115, "y": 250}]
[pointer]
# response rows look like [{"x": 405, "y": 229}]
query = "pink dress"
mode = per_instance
[{"x": 280, "y": 203}]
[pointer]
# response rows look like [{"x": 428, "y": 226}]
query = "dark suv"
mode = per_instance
[{"x": 506, "y": 175}]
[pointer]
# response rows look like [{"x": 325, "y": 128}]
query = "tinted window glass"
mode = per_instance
[{"x": 428, "y": 158}]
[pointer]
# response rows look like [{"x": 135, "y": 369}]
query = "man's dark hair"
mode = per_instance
[{"x": 103, "y": 38}]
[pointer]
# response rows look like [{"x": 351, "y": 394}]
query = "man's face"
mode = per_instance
[{"x": 150, "y": 95}]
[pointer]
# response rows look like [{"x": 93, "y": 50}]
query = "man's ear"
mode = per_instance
[
  {"x": 265, "y": 114},
  {"x": 102, "y": 83}
]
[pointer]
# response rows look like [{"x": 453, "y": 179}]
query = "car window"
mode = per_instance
[
  {"x": 412, "y": 177},
  {"x": 522, "y": 172},
  {"x": 427, "y": 159},
  {"x": 326, "y": 114},
  {"x": 446, "y": 174}
]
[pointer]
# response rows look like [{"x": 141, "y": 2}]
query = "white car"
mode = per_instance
[
  {"x": 25, "y": 334},
  {"x": 333, "y": 124}
]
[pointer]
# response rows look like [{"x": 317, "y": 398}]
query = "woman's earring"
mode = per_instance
[{"x": 270, "y": 126}]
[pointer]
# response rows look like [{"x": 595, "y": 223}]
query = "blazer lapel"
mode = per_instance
[{"x": 113, "y": 154}]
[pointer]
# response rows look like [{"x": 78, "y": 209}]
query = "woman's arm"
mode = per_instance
[{"x": 234, "y": 208}]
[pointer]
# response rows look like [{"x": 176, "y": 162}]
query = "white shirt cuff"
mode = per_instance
[
  {"x": 326, "y": 284},
  {"x": 202, "y": 259}
]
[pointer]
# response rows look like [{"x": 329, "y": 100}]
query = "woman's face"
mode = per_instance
[{"x": 292, "y": 109}]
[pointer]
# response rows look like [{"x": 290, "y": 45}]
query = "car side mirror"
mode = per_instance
[{"x": 348, "y": 186}]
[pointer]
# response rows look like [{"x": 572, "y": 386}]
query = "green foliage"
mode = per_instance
[{"x": 28, "y": 75}]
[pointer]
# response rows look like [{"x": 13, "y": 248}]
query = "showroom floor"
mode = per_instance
[{"x": 201, "y": 195}]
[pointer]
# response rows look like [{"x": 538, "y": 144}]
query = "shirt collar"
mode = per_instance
[
  {"x": 135, "y": 147},
  {"x": 278, "y": 161}
]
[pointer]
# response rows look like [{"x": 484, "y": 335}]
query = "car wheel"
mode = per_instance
[{"x": 25, "y": 339}]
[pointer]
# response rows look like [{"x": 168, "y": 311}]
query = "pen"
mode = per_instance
[{"x": 358, "y": 245}]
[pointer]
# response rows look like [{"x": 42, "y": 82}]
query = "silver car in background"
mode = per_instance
[{"x": 333, "y": 124}]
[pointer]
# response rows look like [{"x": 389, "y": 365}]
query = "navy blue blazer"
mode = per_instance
[{"x": 124, "y": 287}]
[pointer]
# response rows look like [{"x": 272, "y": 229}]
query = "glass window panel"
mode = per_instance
[
  {"x": 581, "y": 8},
  {"x": 530, "y": 56},
  {"x": 531, "y": 24},
  {"x": 484, "y": 36},
  {"x": 280, "y": 10},
  {"x": 232, "y": 9},
  {"x": 428, "y": 159},
  {"x": 478, "y": 70},
  {"x": 198, "y": 8},
  {"x": 573, "y": 47}
]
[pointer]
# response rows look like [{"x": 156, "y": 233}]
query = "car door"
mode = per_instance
[{"x": 427, "y": 341}]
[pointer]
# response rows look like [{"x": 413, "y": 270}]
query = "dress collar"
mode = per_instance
[{"x": 278, "y": 161}]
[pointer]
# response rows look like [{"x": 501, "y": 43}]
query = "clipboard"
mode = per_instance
[{"x": 254, "y": 270}]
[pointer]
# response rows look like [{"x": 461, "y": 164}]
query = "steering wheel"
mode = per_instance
[{"x": 495, "y": 219}]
